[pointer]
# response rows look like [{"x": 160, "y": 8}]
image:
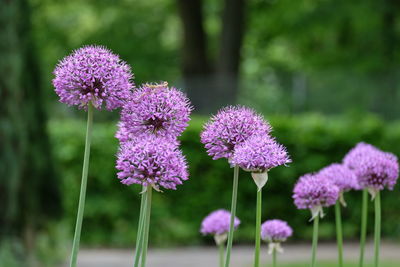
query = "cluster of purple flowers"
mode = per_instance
[
  {"x": 260, "y": 153},
  {"x": 375, "y": 169},
  {"x": 365, "y": 166},
  {"x": 275, "y": 231},
  {"x": 243, "y": 137},
  {"x": 93, "y": 74},
  {"x": 152, "y": 116},
  {"x": 156, "y": 109},
  {"x": 152, "y": 161},
  {"x": 217, "y": 223},
  {"x": 151, "y": 121},
  {"x": 313, "y": 191},
  {"x": 230, "y": 127}
]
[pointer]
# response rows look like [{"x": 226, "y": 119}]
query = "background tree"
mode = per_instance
[
  {"x": 211, "y": 81},
  {"x": 28, "y": 187}
]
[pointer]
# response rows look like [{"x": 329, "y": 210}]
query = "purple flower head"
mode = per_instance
[
  {"x": 231, "y": 126},
  {"x": 275, "y": 231},
  {"x": 217, "y": 223},
  {"x": 374, "y": 168},
  {"x": 313, "y": 191},
  {"x": 353, "y": 157},
  {"x": 259, "y": 153},
  {"x": 157, "y": 109},
  {"x": 377, "y": 171},
  {"x": 93, "y": 74},
  {"x": 341, "y": 176},
  {"x": 151, "y": 160}
]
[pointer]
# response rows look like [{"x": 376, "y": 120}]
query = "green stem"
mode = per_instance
[
  {"x": 221, "y": 248},
  {"x": 258, "y": 229},
  {"x": 274, "y": 258},
  {"x": 364, "y": 217},
  {"x": 339, "y": 235},
  {"x": 82, "y": 195},
  {"x": 139, "y": 235},
  {"x": 233, "y": 214},
  {"x": 146, "y": 225},
  {"x": 314, "y": 241},
  {"x": 377, "y": 227}
]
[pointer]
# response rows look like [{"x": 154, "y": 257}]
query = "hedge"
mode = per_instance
[{"x": 313, "y": 141}]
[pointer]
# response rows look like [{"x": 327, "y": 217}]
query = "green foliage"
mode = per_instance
[{"x": 313, "y": 141}]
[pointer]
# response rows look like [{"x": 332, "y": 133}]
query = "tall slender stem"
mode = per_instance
[
  {"x": 82, "y": 195},
  {"x": 139, "y": 235},
  {"x": 233, "y": 214},
  {"x": 314, "y": 241},
  {"x": 258, "y": 229},
  {"x": 146, "y": 226},
  {"x": 274, "y": 252},
  {"x": 377, "y": 227},
  {"x": 364, "y": 217},
  {"x": 221, "y": 248},
  {"x": 339, "y": 235}
]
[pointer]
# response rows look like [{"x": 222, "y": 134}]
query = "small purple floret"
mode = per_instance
[
  {"x": 151, "y": 160},
  {"x": 275, "y": 231},
  {"x": 217, "y": 223},
  {"x": 312, "y": 191},
  {"x": 156, "y": 109},
  {"x": 341, "y": 176},
  {"x": 93, "y": 74},
  {"x": 231, "y": 126},
  {"x": 259, "y": 153}
]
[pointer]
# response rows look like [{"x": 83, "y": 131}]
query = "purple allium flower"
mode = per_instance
[
  {"x": 93, "y": 74},
  {"x": 156, "y": 109},
  {"x": 275, "y": 231},
  {"x": 374, "y": 168},
  {"x": 151, "y": 160},
  {"x": 341, "y": 176},
  {"x": 352, "y": 158},
  {"x": 231, "y": 126},
  {"x": 378, "y": 170},
  {"x": 217, "y": 223},
  {"x": 313, "y": 191},
  {"x": 259, "y": 153}
]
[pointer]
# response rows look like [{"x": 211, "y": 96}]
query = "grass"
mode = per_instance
[{"x": 334, "y": 264}]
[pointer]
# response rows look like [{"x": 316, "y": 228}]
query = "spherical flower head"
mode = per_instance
[
  {"x": 93, "y": 74},
  {"x": 313, "y": 191},
  {"x": 353, "y": 157},
  {"x": 231, "y": 126},
  {"x": 374, "y": 168},
  {"x": 217, "y": 223},
  {"x": 377, "y": 171},
  {"x": 157, "y": 109},
  {"x": 259, "y": 153},
  {"x": 341, "y": 176},
  {"x": 151, "y": 160},
  {"x": 275, "y": 231}
]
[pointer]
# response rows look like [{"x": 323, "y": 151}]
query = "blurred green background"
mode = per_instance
[{"x": 324, "y": 72}]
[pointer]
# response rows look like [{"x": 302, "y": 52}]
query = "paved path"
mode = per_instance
[{"x": 207, "y": 256}]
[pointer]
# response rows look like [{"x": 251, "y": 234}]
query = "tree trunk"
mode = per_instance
[
  {"x": 230, "y": 49},
  {"x": 197, "y": 74},
  {"x": 388, "y": 92},
  {"x": 211, "y": 84},
  {"x": 28, "y": 188}
]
